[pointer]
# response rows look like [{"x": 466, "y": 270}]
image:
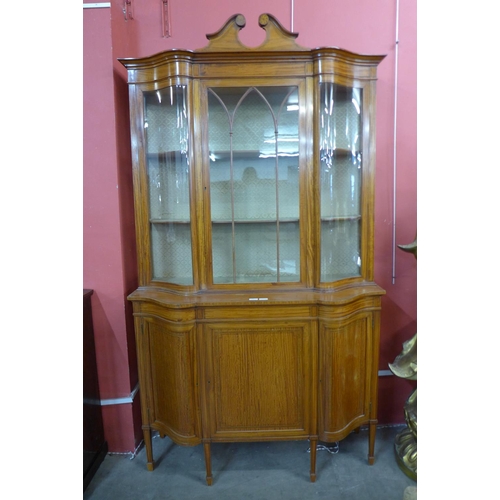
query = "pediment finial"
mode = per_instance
[{"x": 277, "y": 37}]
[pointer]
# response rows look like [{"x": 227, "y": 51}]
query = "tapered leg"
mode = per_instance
[
  {"x": 208, "y": 463},
  {"x": 149, "y": 448},
  {"x": 371, "y": 446},
  {"x": 312, "y": 473}
]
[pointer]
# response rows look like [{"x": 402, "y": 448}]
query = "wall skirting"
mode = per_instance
[
  {"x": 100, "y": 5},
  {"x": 113, "y": 401},
  {"x": 130, "y": 399}
]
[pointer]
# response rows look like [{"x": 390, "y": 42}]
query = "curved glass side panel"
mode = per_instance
[
  {"x": 166, "y": 131},
  {"x": 254, "y": 184},
  {"x": 340, "y": 181}
]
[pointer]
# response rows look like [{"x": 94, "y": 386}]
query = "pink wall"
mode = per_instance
[
  {"x": 365, "y": 26},
  {"x": 108, "y": 245}
]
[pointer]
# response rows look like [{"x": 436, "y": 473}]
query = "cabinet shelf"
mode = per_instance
[
  {"x": 170, "y": 221},
  {"x": 341, "y": 218},
  {"x": 242, "y": 154},
  {"x": 214, "y": 155},
  {"x": 225, "y": 156},
  {"x": 341, "y": 153},
  {"x": 255, "y": 221},
  {"x": 244, "y": 221}
]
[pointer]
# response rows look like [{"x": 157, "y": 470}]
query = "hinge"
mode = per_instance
[
  {"x": 165, "y": 17},
  {"x": 127, "y": 10}
]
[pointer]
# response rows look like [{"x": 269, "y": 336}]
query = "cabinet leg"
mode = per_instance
[
  {"x": 149, "y": 449},
  {"x": 371, "y": 445},
  {"x": 314, "y": 446},
  {"x": 208, "y": 462}
]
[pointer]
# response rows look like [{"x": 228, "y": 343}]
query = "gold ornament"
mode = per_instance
[{"x": 405, "y": 366}]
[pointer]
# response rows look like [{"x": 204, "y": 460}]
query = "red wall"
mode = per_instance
[
  {"x": 365, "y": 26},
  {"x": 108, "y": 233}
]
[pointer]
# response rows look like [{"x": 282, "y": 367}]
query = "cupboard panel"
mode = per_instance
[
  {"x": 345, "y": 369},
  {"x": 173, "y": 380},
  {"x": 259, "y": 379}
]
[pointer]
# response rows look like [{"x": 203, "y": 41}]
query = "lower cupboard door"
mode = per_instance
[
  {"x": 345, "y": 365},
  {"x": 259, "y": 380},
  {"x": 172, "y": 386}
]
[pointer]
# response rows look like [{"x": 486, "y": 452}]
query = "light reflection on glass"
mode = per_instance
[
  {"x": 168, "y": 169},
  {"x": 340, "y": 181}
]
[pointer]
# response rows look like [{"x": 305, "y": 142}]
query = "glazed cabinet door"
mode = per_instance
[
  {"x": 346, "y": 360},
  {"x": 165, "y": 207},
  {"x": 254, "y": 162},
  {"x": 258, "y": 379},
  {"x": 341, "y": 166},
  {"x": 167, "y": 364}
]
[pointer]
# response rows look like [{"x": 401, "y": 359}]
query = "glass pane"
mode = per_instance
[
  {"x": 171, "y": 253},
  {"x": 167, "y": 139},
  {"x": 340, "y": 242},
  {"x": 257, "y": 242},
  {"x": 254, "y": 189},
  {"x": 340, "y": 180}
]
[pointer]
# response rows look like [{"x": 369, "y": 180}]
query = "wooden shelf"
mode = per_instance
[
  {"x": 167, "y": 221},
  {"x": 256, "y": 221},
  {"x": 342, "y": 153},
  {"x": 341, "y": 218},
  {"x": 219, "y": 155}
]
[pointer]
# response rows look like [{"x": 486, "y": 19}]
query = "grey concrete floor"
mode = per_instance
[{"x": 257, "y": 471}]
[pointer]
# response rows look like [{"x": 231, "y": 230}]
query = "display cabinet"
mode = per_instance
[{"x": 256, "y": 314}]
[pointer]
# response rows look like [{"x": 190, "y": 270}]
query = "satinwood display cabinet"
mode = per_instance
[{"x": 256, "y": 315}]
